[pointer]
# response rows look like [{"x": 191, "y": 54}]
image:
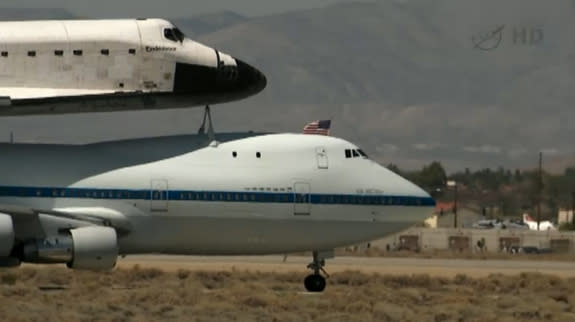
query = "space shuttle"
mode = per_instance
[{"x": 76, "y": 66}]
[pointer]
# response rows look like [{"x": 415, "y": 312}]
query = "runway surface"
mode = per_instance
[{"x": 382, "y": 265}]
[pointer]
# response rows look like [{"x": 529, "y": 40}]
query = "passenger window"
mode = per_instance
[
  {"x": 132, "y": 51},
  {"x": 348, "y": 153},
  {"x": 105, "y": 52},
  {"x": 78, "y": 52},
  {"x": 4, "y": 54},
  {"x": 58, "y": 52},
  {"x": 355, "y": 154},
  {"x": 32, "y": 53}
]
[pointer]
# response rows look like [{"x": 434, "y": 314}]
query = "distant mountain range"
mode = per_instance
[
  {"x": 469, "y": 83},
  {"x": 207, "y": 23},
  {"x": 417, "y": 81},
  {"x": 12, "y": 14}
]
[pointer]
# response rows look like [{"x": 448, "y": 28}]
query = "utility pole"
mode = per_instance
[
  {"x": 573, "y": 210},
  {"x": 453, "y": 184},
  {"x": 539, "y": 189},
  {"x": 455, "y": 206}
]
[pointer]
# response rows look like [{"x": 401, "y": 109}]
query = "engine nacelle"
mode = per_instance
[
  {"x": 95, "y": 248},
  {"x": 7, "y": 235},
  {"x": 91, "y": 248}
]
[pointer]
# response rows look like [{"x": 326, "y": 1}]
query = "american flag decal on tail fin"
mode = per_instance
[{"x": 317, "y": 127}]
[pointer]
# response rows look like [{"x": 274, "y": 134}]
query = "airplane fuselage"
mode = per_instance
[{"x": 260, "y": 195}]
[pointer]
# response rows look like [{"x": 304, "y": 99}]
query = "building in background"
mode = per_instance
[{"x": 565, "y": 216}]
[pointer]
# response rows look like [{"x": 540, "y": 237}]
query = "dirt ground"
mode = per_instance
[
  {"x": 148, "y": 294},
  {"x": 435, "y": 267}
]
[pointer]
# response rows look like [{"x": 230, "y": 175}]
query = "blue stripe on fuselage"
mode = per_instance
[{"x": 221, "y": 196}]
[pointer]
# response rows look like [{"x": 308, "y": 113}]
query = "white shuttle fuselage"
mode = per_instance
[{"x": 73, "y": 66}]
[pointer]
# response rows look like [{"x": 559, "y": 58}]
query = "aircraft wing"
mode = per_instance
[
  {"x": 22, "y": 93},
  {"x": 27, "y": 223},
  {"x": 34, "y": 101}
]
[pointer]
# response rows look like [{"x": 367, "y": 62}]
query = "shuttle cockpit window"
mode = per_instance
[
  {"x": 179, "y": 34},
  {"x": 169, "y": 34},
  {"x": 348, "y": 153},
  {"x": 355, "y": 154},
  {"x": 362, "y": 153},
  {"x": 174, "y": 34}
]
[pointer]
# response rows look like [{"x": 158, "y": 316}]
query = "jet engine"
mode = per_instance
[
  {"x": 6, "y": 235},
  {"x": 91, "y": 248}
]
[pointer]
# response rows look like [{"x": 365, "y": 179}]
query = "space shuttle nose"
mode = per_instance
[
  {"x": 249, "y": 80},
  {"x": 225, "y": 82}
]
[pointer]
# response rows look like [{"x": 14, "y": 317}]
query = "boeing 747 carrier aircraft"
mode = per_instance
[
  {"x": 74, "y": 66},
  {"x": 263, "y": 194}
]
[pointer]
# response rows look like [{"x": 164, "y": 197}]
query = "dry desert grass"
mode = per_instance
[{"x": 138, "y": 294}]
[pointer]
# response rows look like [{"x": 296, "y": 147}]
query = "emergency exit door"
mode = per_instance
[
  {"x": 159, "y": 195},
  {"x": 321, "y": 157},
  {"x": 302, "y": 199}
]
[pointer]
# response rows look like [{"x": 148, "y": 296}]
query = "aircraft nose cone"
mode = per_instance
[
  {"x": 249, "y": 80},
  {"x": 224, "y": 83},
  {"x": 413, "y": 194}
]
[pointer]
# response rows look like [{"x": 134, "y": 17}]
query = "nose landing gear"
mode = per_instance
[{"x": 316, "y": 282}]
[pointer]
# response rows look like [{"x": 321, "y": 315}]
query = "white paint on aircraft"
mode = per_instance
[
  {"x": 258, "y": 195},
  {"x": 543, "y": 225},
  {"x": 79, "y": 61}
]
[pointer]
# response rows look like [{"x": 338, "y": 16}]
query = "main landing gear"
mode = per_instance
[{"x": 316, "y": 282}]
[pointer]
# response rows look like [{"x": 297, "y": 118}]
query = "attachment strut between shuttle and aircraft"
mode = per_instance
[{"x": 202, "y": 129}]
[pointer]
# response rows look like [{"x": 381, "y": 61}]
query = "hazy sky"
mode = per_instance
[{"x": 168, "y": 8}]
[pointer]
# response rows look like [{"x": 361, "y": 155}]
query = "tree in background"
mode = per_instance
[
  {"x": 510, "y": 192},
  {"x": 432, "y": 176}
]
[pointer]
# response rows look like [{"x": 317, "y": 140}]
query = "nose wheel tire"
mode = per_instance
[{"x": 314, "y": 283}]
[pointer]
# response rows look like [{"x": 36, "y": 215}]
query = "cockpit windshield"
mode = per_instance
[
  {"x": 179, "y": 34},
  {"x": 355, "y": 153},
  {"x": 174, "y": 34}
]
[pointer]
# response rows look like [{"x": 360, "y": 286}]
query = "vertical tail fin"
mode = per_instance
[{"x": 526, "y": 218}]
